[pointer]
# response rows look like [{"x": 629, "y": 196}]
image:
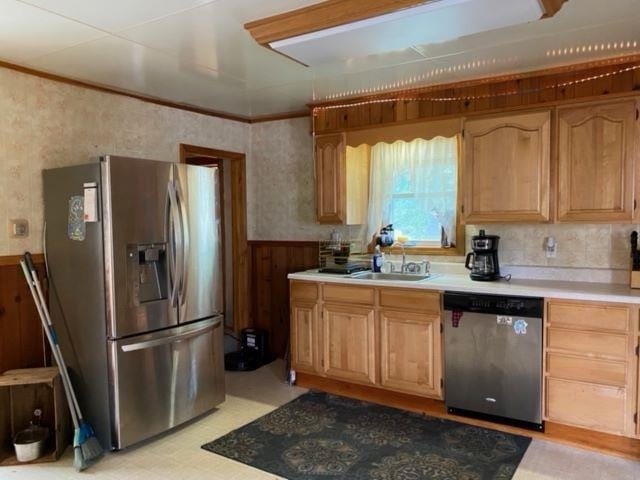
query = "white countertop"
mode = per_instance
[{"x": 602, "y": 292}]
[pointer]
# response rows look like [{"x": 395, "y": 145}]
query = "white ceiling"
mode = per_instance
[{"x": 197, "y": 51}]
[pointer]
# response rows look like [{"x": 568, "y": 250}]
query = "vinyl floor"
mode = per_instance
[{"x": 177, "y": 454}]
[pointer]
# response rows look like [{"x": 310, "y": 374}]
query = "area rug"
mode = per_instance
[{"x": 323, "y": 436}]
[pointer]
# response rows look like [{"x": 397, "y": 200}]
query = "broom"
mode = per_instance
[{"x": 86, "y": 446}]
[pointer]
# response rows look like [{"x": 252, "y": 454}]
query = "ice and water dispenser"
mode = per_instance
[{"x": 147, "y": 272}]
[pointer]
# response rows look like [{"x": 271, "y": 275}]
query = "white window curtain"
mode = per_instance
[{"x": 426, "y": 171}]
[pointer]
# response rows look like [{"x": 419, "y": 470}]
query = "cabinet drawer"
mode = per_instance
[
  {"x": 590, "y": 343},
  {"x": 304, "y": 291},
  {"x": 410, "y": 300},
  {"x": 586, "y": 369},
  {"x": 348, "y": 294},
  {"x": 591, "y": 317},
  {"x": 597, "y": 407}
]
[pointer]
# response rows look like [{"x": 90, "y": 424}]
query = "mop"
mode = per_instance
[{"x": 86, "y": 446}]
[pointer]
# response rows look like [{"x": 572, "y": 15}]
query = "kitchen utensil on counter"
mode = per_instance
[
  {"x": 483, "y": 261},
  {"x": 635, "y": 261},
  {"x": 386, "y": 237}
]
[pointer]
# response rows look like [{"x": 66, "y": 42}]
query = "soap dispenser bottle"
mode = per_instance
[{"x": 377, "y": 260}]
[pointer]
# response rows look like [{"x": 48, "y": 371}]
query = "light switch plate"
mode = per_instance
[{"x": 18, "y": 228}]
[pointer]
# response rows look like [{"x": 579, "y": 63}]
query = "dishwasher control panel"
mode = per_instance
[{"x": 494, "y": 304}]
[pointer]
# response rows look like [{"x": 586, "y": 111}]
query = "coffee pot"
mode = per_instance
[{"x": 483, "y": 261}]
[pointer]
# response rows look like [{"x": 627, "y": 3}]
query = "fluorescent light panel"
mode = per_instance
[{"x": 434, "y": 22}]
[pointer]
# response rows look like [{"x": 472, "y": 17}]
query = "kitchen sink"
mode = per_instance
[{"x": 403, "y": 277}]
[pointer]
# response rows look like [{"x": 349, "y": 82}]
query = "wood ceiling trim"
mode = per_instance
[
  {"x": 323, "y": 15},
  {"x": 333, "y": 13},
  {"x": 155, "y": 100},
  {"x": 551, "y": 7},
  {"x": 281, "y": 116},
  {"x": 117, "y": 91}
]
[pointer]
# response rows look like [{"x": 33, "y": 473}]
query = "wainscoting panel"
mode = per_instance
[
  {"x": 271, "y": 262},
  {"x": 21, "y": 335}
]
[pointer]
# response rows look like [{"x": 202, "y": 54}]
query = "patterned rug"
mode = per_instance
[{"x": 323, "y": 436}]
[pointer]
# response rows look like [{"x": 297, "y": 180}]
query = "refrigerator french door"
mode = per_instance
[{"x": 146, "y": 351}]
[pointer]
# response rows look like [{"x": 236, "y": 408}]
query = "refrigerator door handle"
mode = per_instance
[
  {"x": 175, "y": 243},
  {"x": 168, "y": 228},
  {"x": 173, "y": 338},
  {"x": 181, "y": 209}
]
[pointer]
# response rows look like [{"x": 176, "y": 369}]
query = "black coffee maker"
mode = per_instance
[{"x": 483, "y": 261}]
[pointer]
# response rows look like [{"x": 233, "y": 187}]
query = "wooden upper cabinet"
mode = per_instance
[
  {"x": 506, "y": 168},
  {"x": 595, "y": 162},
  {"x": 330, "y": 157},
  {"x": 342, "y": 180}
]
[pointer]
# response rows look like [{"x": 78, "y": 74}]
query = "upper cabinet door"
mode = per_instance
[
  {"x": 330, "y": 159},
  {"x": 595, "y": 162},
  {"x": 506, "y": 168}
]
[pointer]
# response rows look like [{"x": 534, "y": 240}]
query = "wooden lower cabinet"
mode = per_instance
[
  {"x": 305, "y": 337},
  {"x": 590, "y": 405},
  {"x": 349, "y": 343},
  {"x": 410, "y": 352},
  {"x": 591, "y": 366}
]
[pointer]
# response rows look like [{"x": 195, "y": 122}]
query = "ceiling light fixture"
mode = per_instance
[{"x": 303, "y": 35}]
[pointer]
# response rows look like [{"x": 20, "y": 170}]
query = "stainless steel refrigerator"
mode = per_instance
[{"x": 135, "y": 270}]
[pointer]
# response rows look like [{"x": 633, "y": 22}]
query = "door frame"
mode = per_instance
[{"x": 239, "y": 244}]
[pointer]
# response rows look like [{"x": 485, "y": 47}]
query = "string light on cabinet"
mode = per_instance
[{"x": 462, "y": 98}]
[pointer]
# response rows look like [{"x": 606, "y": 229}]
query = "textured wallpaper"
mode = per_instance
[
  {"x": 283, "y": 183},
  {"x": 45, "y": 124},
  {"x": 284, "y": 188}
]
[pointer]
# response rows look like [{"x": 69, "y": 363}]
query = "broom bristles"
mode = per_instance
[
  {"x": 91, "y": 449},
  {"x": 79, "y": 462}
]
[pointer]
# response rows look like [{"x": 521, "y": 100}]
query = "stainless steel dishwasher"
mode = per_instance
[{"x": 493, "y": 357}]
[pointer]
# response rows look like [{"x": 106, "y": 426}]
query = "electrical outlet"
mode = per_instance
[
  {"x": 550, "y": 247},
  {"x": 18, "y": 228}
]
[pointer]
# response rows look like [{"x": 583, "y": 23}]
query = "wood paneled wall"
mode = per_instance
[
  {"x": 271, "y": 262},
  {"x": 533, "y": 89},
  {"x": 21, "y": 335}
]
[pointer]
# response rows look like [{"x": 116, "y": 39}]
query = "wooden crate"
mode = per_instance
[{"x": 21, "y": 392}]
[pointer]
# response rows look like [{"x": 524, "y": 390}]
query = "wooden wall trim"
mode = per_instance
[
  {"x": 240, "y": 247},
  {"x": 15, "y": 259},
  {"x": 126, "y": 93},
  {"x": 574, "y": 436},
  {"x": 155, "y": 100},
  {"x": 281, "y": 116},
  {"x": 483, "y": 96}
]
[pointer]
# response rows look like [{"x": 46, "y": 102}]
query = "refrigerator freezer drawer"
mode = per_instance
[{"x": 166, "y": 378}]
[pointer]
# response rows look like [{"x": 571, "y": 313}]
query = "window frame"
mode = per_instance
[{"x": 459, "y": 249}]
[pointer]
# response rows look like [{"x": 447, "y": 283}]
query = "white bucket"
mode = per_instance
[{"x": 29, "y": 443}]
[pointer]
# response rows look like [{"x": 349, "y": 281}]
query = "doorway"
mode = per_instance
[{"x": 233, "y": 194}]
